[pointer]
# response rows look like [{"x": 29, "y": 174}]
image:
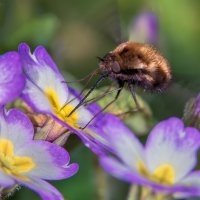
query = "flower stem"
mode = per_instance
[{"x": 144, "y": 193}]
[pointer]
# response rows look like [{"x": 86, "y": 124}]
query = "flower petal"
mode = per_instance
[
  {"x": 12, "y": 80},
  {"x": 193, "y": 181},
  {"x": 51, "y": 161},
  {"x": 84, "y": 115},
  {"x": 44, "y": 58},
  {"x": 43, "y": 188},
  {"x": 40, "y": 77},
  {"x": 43, "y": 75},
  {"x": 121, "y": 171},
  {"x": 170, "y": 143},
  {"x": 93, "y": 141},
  {"x": 92, "y": 136},
  {"x": 5, "y": 180},
  {"x": 16, "y": 127},
  {"x": 123, "y": 142}
]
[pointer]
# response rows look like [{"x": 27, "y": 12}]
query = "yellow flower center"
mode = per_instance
[
  {"x": 62, "y": 112},
  {"x": 11, "y": 164},
  {"x": 164, "y": 174}
]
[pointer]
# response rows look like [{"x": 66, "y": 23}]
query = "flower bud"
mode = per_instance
[
  {"x": 144, "y": 28},
  {"x": 45, "y": 127},
  {"x": 192, "y": 112}
]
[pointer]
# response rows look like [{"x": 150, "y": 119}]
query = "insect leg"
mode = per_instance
[
  {"x": 99, "y": 97},
  {"x": 89, "y": 79},
  {"x": 84, "y": 78},
  {"x": 137, "y": 106},
  {"x": 110, "y": 103},
  {"x": 95, "y": 99},
  {"x": 102, "y": 77},
  {"x": 132, "y": 90}
]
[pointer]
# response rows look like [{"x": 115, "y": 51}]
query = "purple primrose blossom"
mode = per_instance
[
  {"x": 12, "y": 80},
  {"x": 165, "y": 163},
  {"x": 47, "y": 92},
  {"x": 30, "y": 162}
]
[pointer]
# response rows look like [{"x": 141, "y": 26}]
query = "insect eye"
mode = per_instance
[{"x": 116, "y": 67}]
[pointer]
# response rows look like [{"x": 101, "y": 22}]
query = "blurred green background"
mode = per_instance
[{"x": 76, "y": 31}]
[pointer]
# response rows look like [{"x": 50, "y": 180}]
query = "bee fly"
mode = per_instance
[{"x": 133, "y": 64}]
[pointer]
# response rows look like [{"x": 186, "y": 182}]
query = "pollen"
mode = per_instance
[
  {"x": 60, "y": 111},
  {"x": 142, "y": 169},
  {"x": 11, "y": 164},
  {"x": 163, "y": 174}
]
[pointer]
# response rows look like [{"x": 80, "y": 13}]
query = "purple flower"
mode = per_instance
[
  {"x": 46, "y": 92},
  {"x": 30, "y": 162},
  {"x": 11, "y": 78},
  {"x": 165, "y": 163},
  {"x": 145, "y": 28}
]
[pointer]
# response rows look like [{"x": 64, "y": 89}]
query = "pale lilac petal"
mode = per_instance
[
  {"x": 121, "y": 171},
  {"x": 84, "y": 115},
  {"x": 166, "y": 135},
  {"x": 25, "y": 52},
  {"x": 170, "y": 189},
  {"x": 35, "y": 91},
  {"x": 6, "y": 180},
  {"x": 35, "y": 98},
  {"x": 93, "y": 141},
  {"x": 16, "y": 127},
  {"x": 170, "y": 143},
  {"x": 93, "y": 136},
  {"x": 123, "y": 141},
  {"x": 51, "y": 161},
  {"x": 40, "y": 77},
  {"x": 99, "y": 136},
  {"x": 44, "y": 58},
  {"x": 96, "y": 134},
  {"x": 42, "y": 74},
  {"x": 43, "y": 188},
  {"x": 12, "y": 80},
  {"x": 191, "y": 180}
]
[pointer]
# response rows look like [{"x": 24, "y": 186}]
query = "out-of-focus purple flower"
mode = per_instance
[
  {"x": 165, "y": 163},
  {"x": 30, "y": 162},
  {"x": 144, "y": 28},
  {"x": 46, "y": 92},
  {"x": 192, "y": 112},
  {"x": 12, "y": 80}
]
